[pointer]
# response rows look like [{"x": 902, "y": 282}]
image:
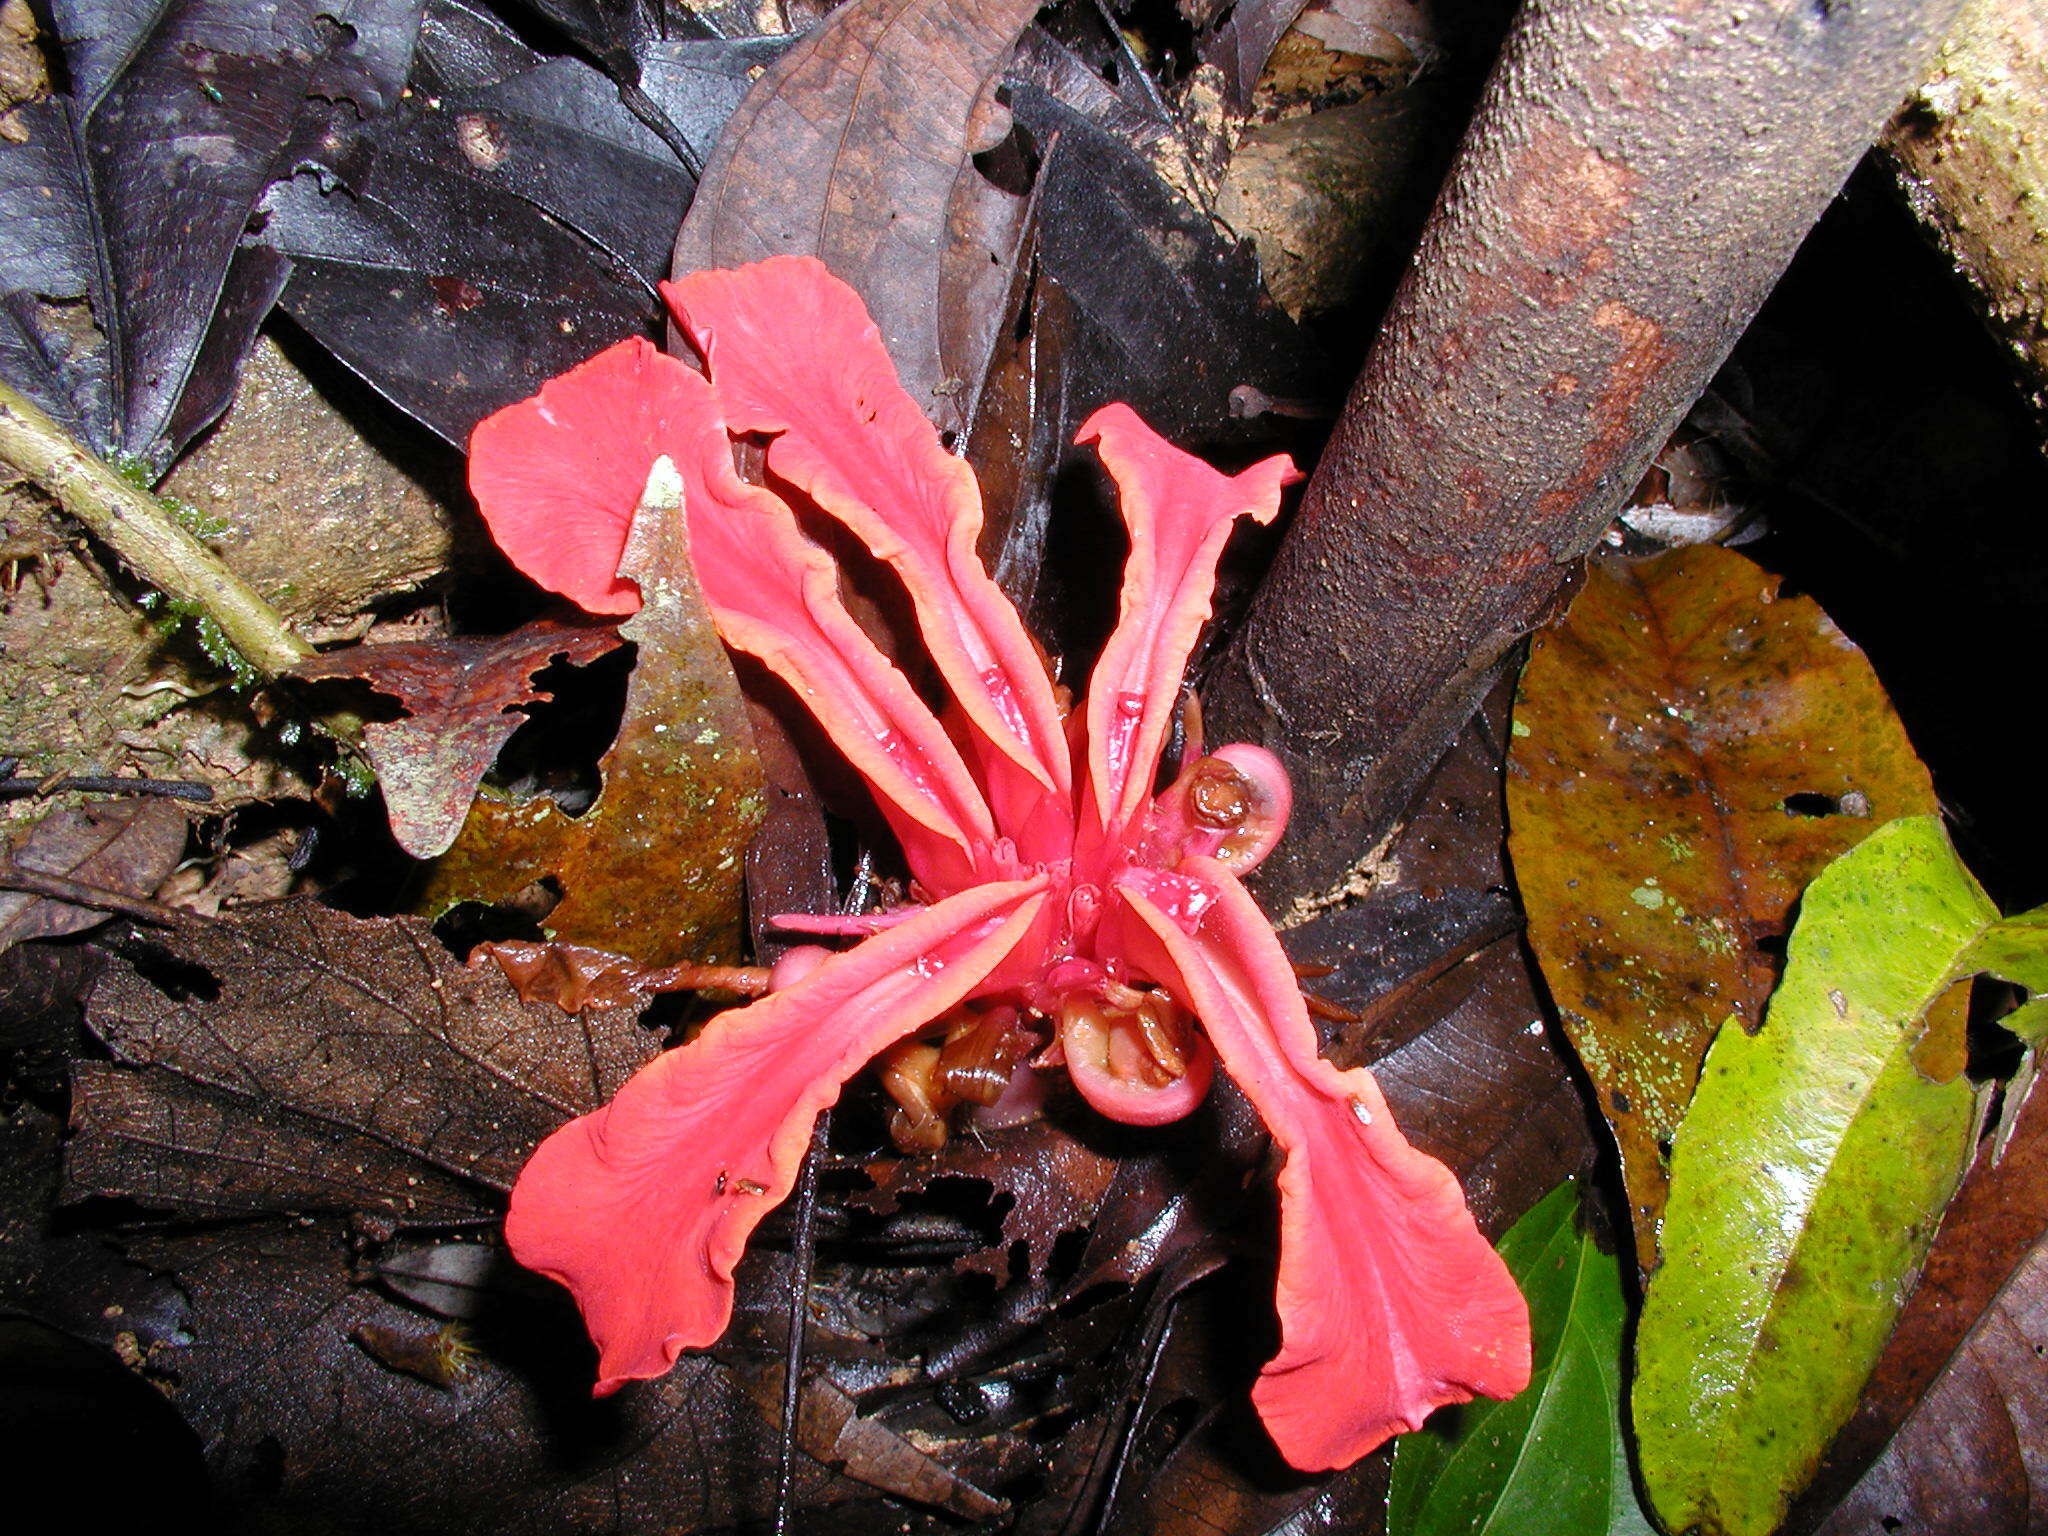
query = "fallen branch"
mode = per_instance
[
  {"x": 1636, "y": 178},
  {"x": 1971, "y": 155},
  {"x": 34, "y": 882},
  {"x": 147, "y": 537}
]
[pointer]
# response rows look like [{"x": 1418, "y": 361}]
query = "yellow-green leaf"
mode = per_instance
[{"x": 1807, "y": 1180}]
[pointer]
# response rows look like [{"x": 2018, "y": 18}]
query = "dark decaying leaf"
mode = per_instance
[
  {"x": 293, "y": 1058},
  {"x": 500, "y": 227},
  {"x": 1054, "y": 1183},
  {"x": 614, "y": 32},
  {"x": 1974, "y": 1455},
  {"x": 653, "y": 869},
  {"x": 461, "y": 698},
  {"x": 42, "y": 1000},
  {"x": 1136, "y": 298},
  {"x": 880, "y": 107},
  {"x": 831, "y": 1429},
  {"x": 123, "y": 846},
  {"x": 49, "y": 346},
  {"x": 1451, "y": 1020},
  {"x": 302, "y": 1421},
  {"x": 185, "y": 113},
  {"x": 1250, "y": 30},
  {"x": 462, "y": 45},
  {"x": 1691, "y": 748},
  {"x": 1995, "y": 1221}
]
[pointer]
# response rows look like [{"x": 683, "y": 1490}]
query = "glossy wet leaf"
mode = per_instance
[
  {"x": 49, "y": 348},
  {"x": 294, "y": 1058},
  {"x": 506, "y": 222},
  {"x": 183, "y": 115},
  {"x": 653, "y": 870},
  {"x": 1140, "y": 297},
  {"x": 1808, "y": 1178},
  {"x": 1552, "y": 1459},
  {"x": 462, "y": 699},
  {"x": 1690, "y": 749}
]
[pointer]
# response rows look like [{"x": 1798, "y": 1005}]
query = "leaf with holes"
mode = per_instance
[
  {"x": 293, "y": 1058},
  {"x": 1807, "y": 1180},
  {"x": 1553, "y": 1459},
  {"x": 1690, "y": 748},
  {"x": 653, "y": 869},
  {"x": 180, "y": 116},
  {"x": 462, "y": 699}
]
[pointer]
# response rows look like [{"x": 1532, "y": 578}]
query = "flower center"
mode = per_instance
[
  {"x": 1139, "y": 1039},
  {"x": 972, "y": 1056}
]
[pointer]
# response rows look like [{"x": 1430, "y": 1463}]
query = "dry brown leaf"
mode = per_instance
[
  {"x": 123, "y": 846},
  {"x": 306, "y": 1428},
  {"x": 854, "y": 147},
  {"x": 1974, "y": 1455},
  {"x": 461, "y": 698},
  {"x": 294, "y": 1058}
]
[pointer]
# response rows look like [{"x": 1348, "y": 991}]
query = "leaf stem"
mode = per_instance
[{"x": 136, "y": 526}]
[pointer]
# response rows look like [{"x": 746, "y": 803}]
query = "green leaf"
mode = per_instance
[
  {"x": 1807, "y": 1180},
  {"x": 1552, "y": 1459}
]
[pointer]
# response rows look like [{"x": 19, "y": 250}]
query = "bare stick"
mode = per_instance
[
  {"x": 56, "y": 888},
  {"x": 1636, "y": 178},
  {"x": 170, "y": 789},
  {"x": 137, "y": 527}
]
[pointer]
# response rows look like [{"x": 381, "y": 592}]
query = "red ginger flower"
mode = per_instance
[{"x": 1053, "y": 879}]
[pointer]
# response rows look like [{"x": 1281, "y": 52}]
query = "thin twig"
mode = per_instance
[
  {"x": 799, "y": 1299},
  {"x": 800, "y": 1264},
  {"x": 141, "y": 530},
  {"x": 78, "y": 894},
  {"x": 171, "y": 789}
]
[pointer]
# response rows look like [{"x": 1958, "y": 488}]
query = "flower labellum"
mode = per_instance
[{"x": 1060, "y": 891}]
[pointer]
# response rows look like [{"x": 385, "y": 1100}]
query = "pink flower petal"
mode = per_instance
[
  {"x": 775, "y": 595},
  {"x": 558, "y": 476},
  {"x": 642, "y": 1208},
  {"x": 1391, "y": 1303},
  {"x": 793, "y": 353},
  {"x": 1179, "y": 511}
]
